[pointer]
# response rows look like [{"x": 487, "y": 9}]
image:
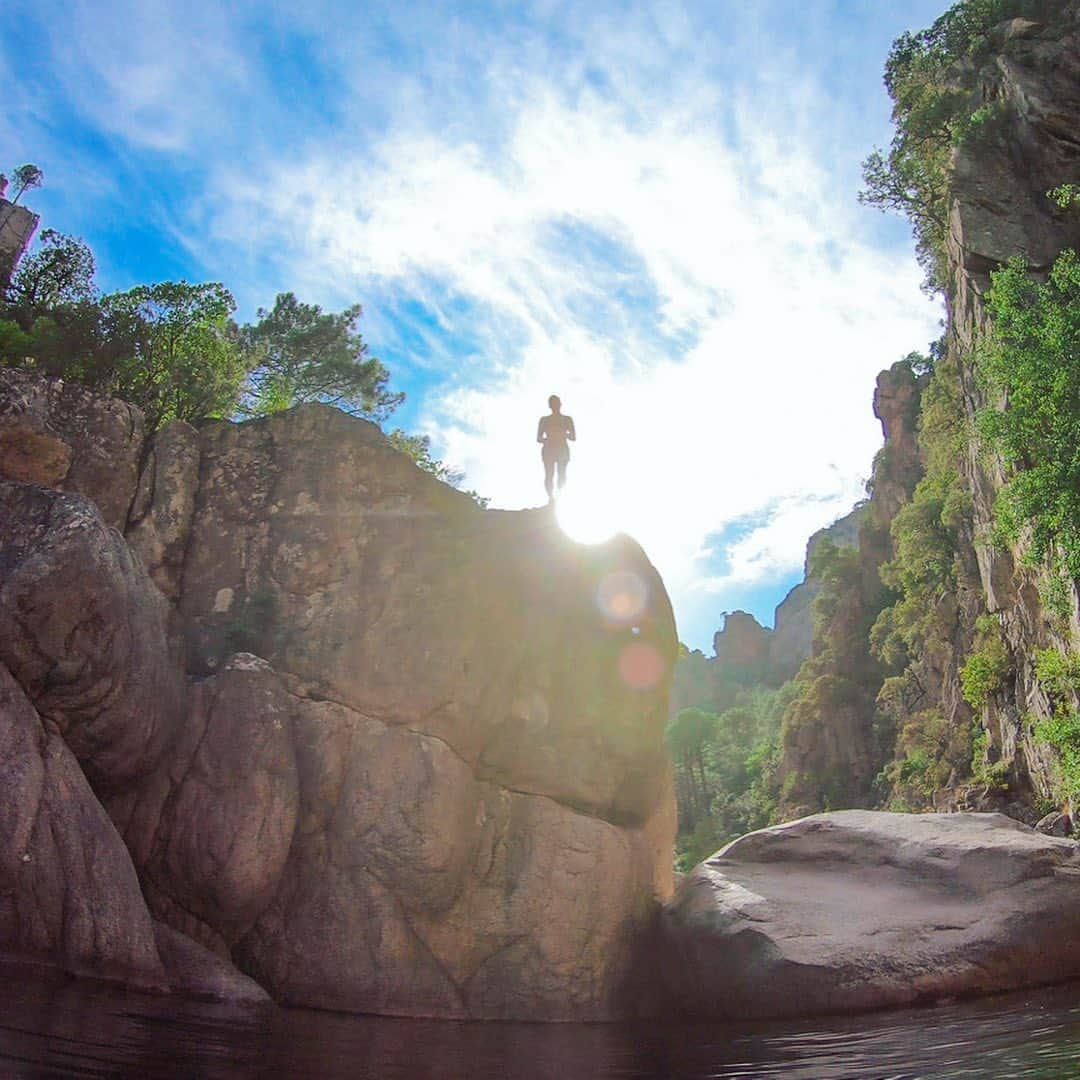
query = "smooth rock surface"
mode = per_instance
[{"x": 860, "y": 909}]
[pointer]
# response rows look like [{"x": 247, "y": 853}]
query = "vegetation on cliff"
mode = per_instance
[
  {"x": 936, "y": 108},
  {"x": 1029, "y": 366},
  {"x": 174, "y": 350}
]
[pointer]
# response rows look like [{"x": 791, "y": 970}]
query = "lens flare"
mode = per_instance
[
  {"x": 622, "y": 596},
  {"x": 641, "y": 667}
]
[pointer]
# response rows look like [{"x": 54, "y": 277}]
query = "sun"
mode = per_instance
[{"x": 588, "y": 515}]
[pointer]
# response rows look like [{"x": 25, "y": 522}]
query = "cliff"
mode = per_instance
[
  {"x": 946, "y": 621},
  {"x": 276, "y": 700}
]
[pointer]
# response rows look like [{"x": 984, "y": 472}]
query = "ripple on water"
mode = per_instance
[{"x": 54, "y": 1027}]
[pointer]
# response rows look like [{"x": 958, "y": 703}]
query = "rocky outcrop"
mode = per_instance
[
  {"x": 745, "y": 653},
  {"x": 860, "y": 909},
  {"x": 60, "y": 435},
  {"x": 386, "y": 752},
  {"x": 85, "y": 634},
  {"x": 17, "y": 226},
  {"x": 831, "y": 747}
]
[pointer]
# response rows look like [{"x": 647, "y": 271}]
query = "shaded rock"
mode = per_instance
[
  {"x": 1055, "y": 824},
  {"x": 444, "y": 895},
  {"x": 859, "y": 909},
  {"x": 211, "y": 827},
  {"x": 84, "y": 632},
  {"x": 196, "y": 972},
  {"x": 59, "y": 434},
  {"x": 68, "y": 891},
  {"x": 160, "y": 520}
]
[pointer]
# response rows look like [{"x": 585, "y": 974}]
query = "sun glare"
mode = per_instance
[{"x": 587, "y": 516}]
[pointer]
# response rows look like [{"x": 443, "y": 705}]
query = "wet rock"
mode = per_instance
[
  {"x": 859, "y": 909},
  {"x": 196, "y": 972}
]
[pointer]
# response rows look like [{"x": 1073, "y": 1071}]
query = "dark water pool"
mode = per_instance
[{"x": 51, "y": 1028}]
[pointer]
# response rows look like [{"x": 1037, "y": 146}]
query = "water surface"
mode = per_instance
[{"x": 53, "y": 1027}]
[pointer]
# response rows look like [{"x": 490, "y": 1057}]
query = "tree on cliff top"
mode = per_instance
[
  {"x": 185, "y": 360},
  {"x": 25, "y": 178},
  {"x": 934, "y": 111},
  {"x": 301, "y": 353}
]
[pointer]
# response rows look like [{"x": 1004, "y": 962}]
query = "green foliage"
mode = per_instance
[
  {"x": 1062, "y": 731},
  {"x": 59, "y": 271},
  {"x": 1066, "y": 195},
  {"x": 301, "y": 353},
  {"x": 929, "y": 753},
  {"x": 1028, "y": 362},
  {"x": 926, "y": 532},
  {"x": 185, "y": 361},
  {"x": 723, "y": 767},
  {"x": 934, "y": 110},
  {"x": 989, "y": 774},
  {"x": 26, "y": 177},
  {"x": 1058, "y": 672},
  {"x": 838, "y": 570},
  {"x": 987, "y": 666}
]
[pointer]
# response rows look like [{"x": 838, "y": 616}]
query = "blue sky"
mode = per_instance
[{"x": 649, "y": 209}]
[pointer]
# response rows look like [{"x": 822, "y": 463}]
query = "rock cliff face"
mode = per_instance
[
  {"x": 1000, "y": 209},
  {"x": 331, "y": 723},
  {"x": 831, "y": 749},
  {"x": 918, "y": 720}
]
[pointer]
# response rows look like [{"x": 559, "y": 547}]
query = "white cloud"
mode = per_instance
[{"x": 745, "y": 390}]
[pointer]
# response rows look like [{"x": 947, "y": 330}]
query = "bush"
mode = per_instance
[
  {"x": 987, "y": 666},
  {"x": 1062, "y": 731}
]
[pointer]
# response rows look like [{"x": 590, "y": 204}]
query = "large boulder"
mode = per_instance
[
  {"x": 543, "y": 664},
  {"x": 68, "y": 891},
  {"x": 860, "y": 909},
  {"x": 445, "y": 895},
  {"x": 85, "y": 633}
]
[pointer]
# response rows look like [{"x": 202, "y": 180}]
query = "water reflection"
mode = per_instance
[{"x": 51, "y": 1027}]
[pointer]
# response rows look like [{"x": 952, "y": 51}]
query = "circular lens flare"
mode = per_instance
[
  {"x": 622, "y": 596},
  {"x": 641, "y": 667}
]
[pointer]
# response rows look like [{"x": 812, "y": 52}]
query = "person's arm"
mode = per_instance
[
  {"x": 540, "y": 431},
  {"x": 571, "y": 434}
]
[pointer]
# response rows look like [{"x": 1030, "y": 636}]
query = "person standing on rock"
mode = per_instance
[{"x": 555, "y": 433}]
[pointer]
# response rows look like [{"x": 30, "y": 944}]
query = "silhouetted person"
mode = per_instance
[{"x": 555, "y": 433}]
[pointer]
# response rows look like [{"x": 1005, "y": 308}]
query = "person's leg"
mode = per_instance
[
  {"x": 549, "y": 474},
  {"x": 562, "y": 471}
]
